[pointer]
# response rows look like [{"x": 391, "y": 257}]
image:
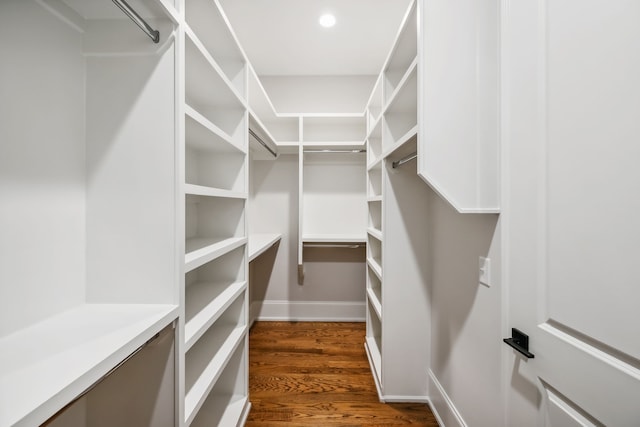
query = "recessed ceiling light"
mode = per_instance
[{"x": 327, "y": 20}]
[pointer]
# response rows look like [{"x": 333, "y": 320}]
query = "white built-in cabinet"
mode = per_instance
[
  {"x": 124, "y": 180},
  {"x": 397, "y": 242},
  {"x": 88, "y": 214},
  {"x": 459, "y": 78},
  {"x": 214, "y": 345}
]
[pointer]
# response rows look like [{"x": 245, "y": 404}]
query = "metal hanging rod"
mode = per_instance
[
  {"x": 264, "y": 144},
  {"x": 360, "y": 150},
  {"x": 335, "y": 245},
  {"x": 404, "y": 160},
  {"x": 137, "y": 19}
]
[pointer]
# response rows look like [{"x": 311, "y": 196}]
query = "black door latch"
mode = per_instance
[{"x": 520, "y": 342}]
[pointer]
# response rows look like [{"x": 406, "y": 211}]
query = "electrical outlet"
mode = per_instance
[{"x": 484, "y": 275}]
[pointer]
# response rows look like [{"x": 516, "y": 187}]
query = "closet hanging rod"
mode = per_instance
[
  {"x": 264, "y": 144},
  {"x": 137, "y": 19},
  {"x": 404, "y": 160},
  {"x": 108, "y": 374},
  {"x": 334, "y": 245},
  {"x": 361, "y": 150}
]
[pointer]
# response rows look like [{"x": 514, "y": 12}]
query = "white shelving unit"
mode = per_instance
[
  {"x": 333, "y": 195},
  {"x": 87, "y": 277},
  {"x": 397, "y": 297},
  {"x": 215, "y": 190}
]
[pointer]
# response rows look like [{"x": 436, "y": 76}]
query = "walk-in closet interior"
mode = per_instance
[
  {"x": 162, "y": 190},
  {"x": 172, "y": 171}
]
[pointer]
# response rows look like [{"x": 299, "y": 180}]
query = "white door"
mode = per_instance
[{"x": 571, "y": 203}]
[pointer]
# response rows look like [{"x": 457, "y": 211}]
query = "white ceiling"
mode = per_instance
[{"x": 283, "y": 37}]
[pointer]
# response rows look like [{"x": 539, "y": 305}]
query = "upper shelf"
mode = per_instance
[
  {"x": 211, "y": 26},
  {"x": 47, "y": 365}
]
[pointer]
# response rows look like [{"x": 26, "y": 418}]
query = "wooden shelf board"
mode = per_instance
[
  {"x": 260, "y": 242},
  {"x": 45, "y": 366}
]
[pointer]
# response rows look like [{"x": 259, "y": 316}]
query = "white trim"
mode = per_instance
[
  {"x": 309, "y": 311},
  {"x": 417, "y": 399},
  {"x": 441, "y": 404}
]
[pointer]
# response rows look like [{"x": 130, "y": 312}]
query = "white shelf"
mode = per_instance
[
  {"x": 402, "y": 85},
  {"x": 204, "y": 303},
  {"x": 375, "y": 266},
  {"x": 193, "y": 38},
  {"x": 259, "y": 243},
  {"x": 409, "y": 137},
  {"x": 374, "y": 300},
  {"x": 374, "y": 199},
  {"x": 45, "y": 366},
  {"x": 228, "y": 413},
  {"x": 199, "y": 251},
  {"x": 375, "y": 359},
  {"x": 201, "y": 190},
  {"x": 334, "y": 238},
  {"x": 204, "y": 135},
  {"x": 375, "y": 233},
  {"x": 203, "y": 370},
  {"x": 328, "y": 145}
]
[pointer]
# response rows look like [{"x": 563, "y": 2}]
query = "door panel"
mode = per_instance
[{"x": 572, "y": 202}]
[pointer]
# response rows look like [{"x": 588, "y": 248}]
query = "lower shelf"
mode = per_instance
[
  {"x": 47, "y": 365},
  {"x": 375, "y": 360},
  {"x": 204, "y": 371},
  {"x": 227, "y": 403}
]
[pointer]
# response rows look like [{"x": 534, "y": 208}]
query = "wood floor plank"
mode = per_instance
[{"x": 316, "y": 374}]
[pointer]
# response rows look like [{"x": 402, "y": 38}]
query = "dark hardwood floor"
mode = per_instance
[{"x": 317, "y": 374}]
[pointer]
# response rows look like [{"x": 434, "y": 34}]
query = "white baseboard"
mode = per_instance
[
  {"x": 442, "y": 406},
  {"x": 307, "y": 311}
]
